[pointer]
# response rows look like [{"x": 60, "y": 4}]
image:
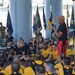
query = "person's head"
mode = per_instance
[
  {"x": 45, "y": 45},
  {"x": 9, "y": 42},
  {"x": 67, "y": 61},
  {"x": 61, "y": 57},
  {"x": 49, "y": 66},
  {"x": 71, "y": 57},
  {"x": 40, "y": 70},
  {"x": 48, "y": 44},
  {"x": 45, "y": 40},
  {"x": 21, "y": 41},
  {"x": 2, "y": 73},
  {"x": 17, "y": 60},
  {"x": 31, "y": 47},
  {"x": 15, "y": 67},
  {"x": 54, "y": 47},
  {"x": 28, "y": 63},
  {"x": 37, "y": 56},
  {"x": 61, "y": 19},
  {"x": 10, "y": 60},
  {"x": 40, "y": 45}
]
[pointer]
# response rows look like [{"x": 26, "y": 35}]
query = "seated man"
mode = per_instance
[
  {"x": 45, "y": 51},
  {"x": 17, "y": 60}
]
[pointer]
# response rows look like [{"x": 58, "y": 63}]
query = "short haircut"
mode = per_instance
[
  {"x": 67, "y": 61},
  {"x": 15, "y": 67},
  {"x": 62, "y": 56},
  {"x": 28, "y": 63},
  {"x": 16, "y": 59},
  {"x": 50, "y": 65},
  {"x": 40, "y": 69},
  {"x": 71, "y": 57}
]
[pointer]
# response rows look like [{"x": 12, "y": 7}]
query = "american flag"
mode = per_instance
[{"x": 9, "y": 24}]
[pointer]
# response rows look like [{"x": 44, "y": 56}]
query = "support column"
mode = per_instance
[
  {"x": 56, "y": 10},
  {"x": 21, "y": 15},
  {"x": 47, "y": 7}
]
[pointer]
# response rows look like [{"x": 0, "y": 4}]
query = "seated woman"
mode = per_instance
[{"x": 21, "y": 47}]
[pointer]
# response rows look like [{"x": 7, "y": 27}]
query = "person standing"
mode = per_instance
[{"x": 61, "y": 33}]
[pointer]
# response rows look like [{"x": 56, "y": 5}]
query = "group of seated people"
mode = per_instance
[{"x": 38, "y": 57}]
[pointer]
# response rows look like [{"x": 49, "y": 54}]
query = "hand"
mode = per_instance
[{"x": 54, "y": 28}]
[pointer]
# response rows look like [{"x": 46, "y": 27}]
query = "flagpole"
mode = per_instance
[
  {"x": 67, "y": 16},
  {"x": 43, "y": 23},
  {"x": 50, "y": 12}
]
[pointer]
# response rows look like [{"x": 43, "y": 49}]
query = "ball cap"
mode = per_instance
[{"x": 61, "y": 17}]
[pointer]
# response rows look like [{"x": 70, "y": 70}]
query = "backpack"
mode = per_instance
[{"x": 68, "y": 71}]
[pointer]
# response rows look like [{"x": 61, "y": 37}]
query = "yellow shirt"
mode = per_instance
[
  {"x": 39, "y": 62},
  {"x": 3, "y": 71},
  {"x": 69, "y": 52},
  {"x": 54, "y": 54},
  {"x": 28, "y": 71},
  {"x": 46, "y": 52},
  {"x": 9, "y": 71},
  {"x": 58, "y": 66}
]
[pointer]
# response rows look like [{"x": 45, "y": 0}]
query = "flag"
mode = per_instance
[
  {"x": 44, "y": 20},
  {"x": 38, "y": 21},
  {"x": 72, "y": 25},
  {"x": 50, "y": 22},
  {"x": 34, "y": 24},
  {"x": 9, "y": 24},
  {"x": 67, "y": 15}
]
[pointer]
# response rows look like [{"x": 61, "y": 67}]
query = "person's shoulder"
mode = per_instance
[
  {"x": 9, "y": 66},
  {"x": 60, "y": 71}
]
